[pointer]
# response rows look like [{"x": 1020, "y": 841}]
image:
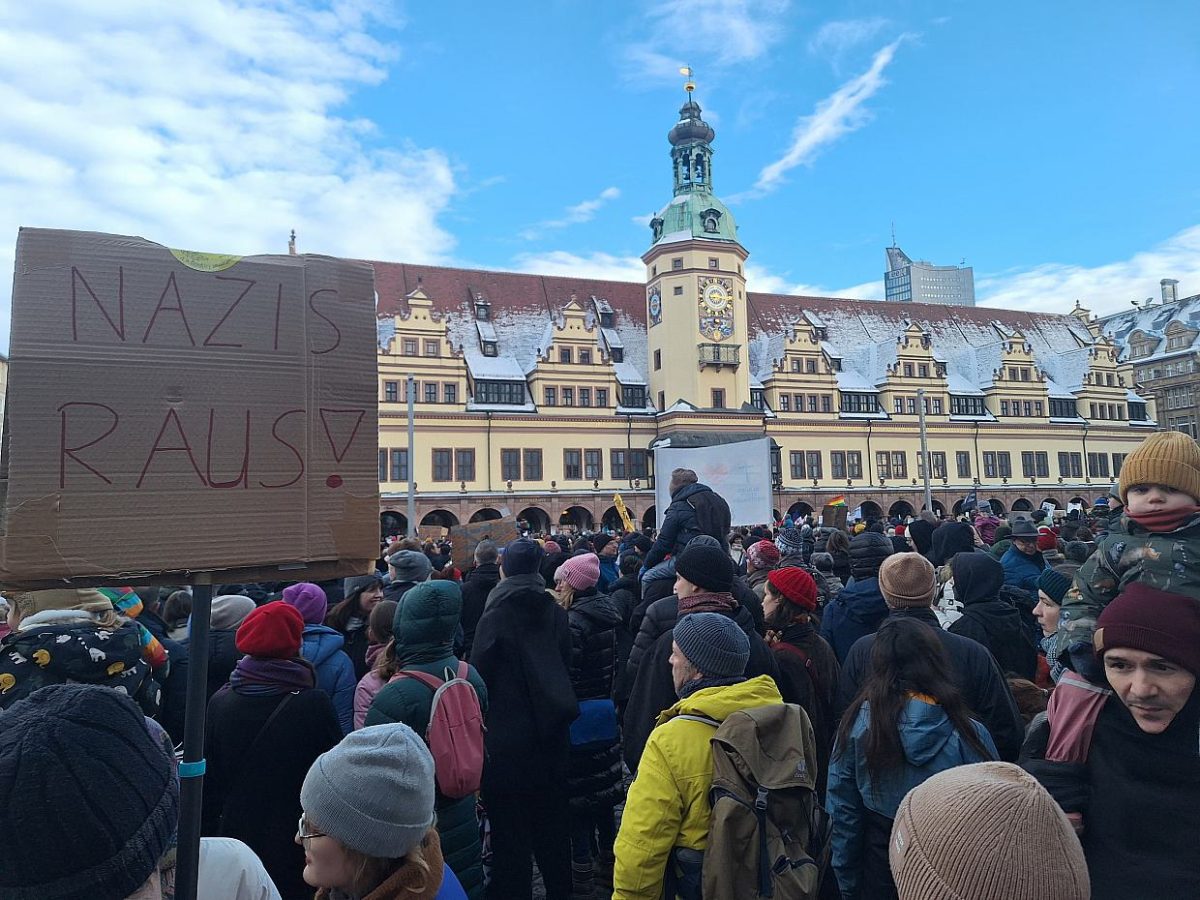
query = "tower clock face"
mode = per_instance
[
  {"x": 655, "y": 305},
  {"x": 716, "y": 308},
  {"x": 715, "y": 298}
]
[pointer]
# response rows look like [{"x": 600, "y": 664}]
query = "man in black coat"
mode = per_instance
[
  {"x": 476, "y": 586},
  {"x": 695, "y": 509},
  {"x": 704, "y": 580},
  {"x": 906, "y": 581},
  {"x": 978, "y": 578}
]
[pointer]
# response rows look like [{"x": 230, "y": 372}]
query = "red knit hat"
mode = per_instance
[
  {"x": 272, "y": 631},
  {"x": 1145, "y": 618},
  {"x": 796, "y": 586},
  {"x": 1047, "y": 540},
  {"x": 900, "y": 529}
]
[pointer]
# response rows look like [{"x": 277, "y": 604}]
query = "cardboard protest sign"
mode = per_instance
[
  {"x": 174, "y": 413},
  {"x": 431, "y": 532},
  {"x": 465, "y": 538},
  {"x": 834, "y": 516}
]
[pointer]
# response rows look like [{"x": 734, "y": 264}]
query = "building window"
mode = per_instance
[
  {"x": 616, "y": 463},
  {"x": 443, "y": 462},
  {"x": 963, "y": 460},
  {"x": 678, "y": 290},
  {"x": 662, "y": 400},
  {"x": 799, "y": 402},
  {"x": 1118, "y": 460},
  {"x": 1035, "y": 464},
  {"x": 585, "y": 396},
  {"x": 510, "y": 465},
  {"x": 550, "y": 396},
  {"x": 826, "y": 403},
  {"x": 1098, "y": 465},
  {"x": 602, "y": 397},
  {"x": 657, "y": 360},
  {"x": 449, "y": 393},
  {"x": 937, "y": 406},
  {"x": 639, "y": 464},
  {"x": 1004, "y": 464},
  {"x": 464, "y": 463},
  {"x": 966, "y": 406},
  {"x": 757, "y": 400},
  {"x": 677, "y": 263},
  {"x": 908, "y": 370},
  {"x": 1137, "y": 411},
  {"x": 796, "y": 457},
  {"x": 383, "y": 465},
  {"x": 489, "y": 348},
  {"x": 431, "y": 392},
  {"x": 585, "y": 356},
  {"x": 714, "y": 263},
  {"x": 785, "y": 402},
  {"x": 813, "y": 460},
  {"x": 923, "y": 370},
  {"x": 883, "y": 463},
  {"x": 1025, "y": 373},
  {"x": 432, "y": 348},
  {"x": 938, "y": 460},
  {"x": 910, "y": 405},
  {"x": 837, "y": 464},
  {"x": 633, "y": 396},
  {"x": 533, "y": 465},
  {"x": 1004, "y": 407},
  {"x": 593, "y": 464},
  {"x": 391, "y": 392},
  {"x": 1038, "y": 408},
  {"x": 1063, "y": 409},
  {"x": 899, "y": 465},
  {"x": 854, "y": 464},
  {"x": 510, "y": 393},
  {"x": 989, "y": 464},
  {"x": 812, "y": 403},
  {"x": 564, "y": 354},
  {"x": 568, "y": 396},
  {"x": 1028, "y": 407},
  {"x": 718, "y": 398},
  {"x": 898, "y": 406},
  {"x": 410, "y": 346},
  {"x": 572, "y": 465},
  {"x": 859, "y": 403},
  {"x": 1070, "y": 465},
  {"x": 618, "y": 354},
  {"x": 810, "y": 366}
]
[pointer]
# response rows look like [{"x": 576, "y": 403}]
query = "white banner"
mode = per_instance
[{"x": 741, "y": 473}]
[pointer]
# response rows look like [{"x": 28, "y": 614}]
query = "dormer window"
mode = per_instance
[
  {"x": 489, "y": 348},
  {"x": 618, "y": 354},
  {"x": 483, "y": 311},
  {"x": 564, "y": 354},
  {"x": 712, "y": 220},
  {"x": 606, "y": 320}
]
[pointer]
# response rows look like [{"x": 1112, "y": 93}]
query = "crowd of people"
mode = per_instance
[{"x": 921, "y": 709}]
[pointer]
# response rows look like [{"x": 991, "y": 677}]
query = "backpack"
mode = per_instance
[
  {"x": 455, "y": 731},
  {"x": 767, "y": 827}
]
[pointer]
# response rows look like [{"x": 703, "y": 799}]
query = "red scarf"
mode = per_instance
[{"x": 1164, "y": 521}]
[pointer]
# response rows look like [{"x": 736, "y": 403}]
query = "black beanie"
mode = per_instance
[
  {"x": 523, "y": 557},
  {"x": 707, "y": 566},
  {"x": 90, "y": 799}
]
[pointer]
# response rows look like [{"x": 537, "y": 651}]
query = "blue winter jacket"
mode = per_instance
[
  {"x": 335, "y": 672},
  {"x": 1022, "y": 570},
  {"x": 858, "y": 610},
  {"x": 608, "y": 573},
  {"x": 931, "y": 745}
]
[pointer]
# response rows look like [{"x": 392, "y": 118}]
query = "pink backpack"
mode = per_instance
[{"x": 455, "y": 731}]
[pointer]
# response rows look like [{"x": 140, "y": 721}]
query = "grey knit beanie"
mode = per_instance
[
  {"x": 713, "y": 643},
  {"x": 229, "y": 611},
  {"x": 374, "y": 791},
  {"x": 410, "y": 565}
]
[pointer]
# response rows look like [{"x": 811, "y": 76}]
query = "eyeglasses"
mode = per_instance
[{"x": 304, "y": 832}]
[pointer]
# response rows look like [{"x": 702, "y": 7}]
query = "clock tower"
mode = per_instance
[{"x": 695, "y": 283}]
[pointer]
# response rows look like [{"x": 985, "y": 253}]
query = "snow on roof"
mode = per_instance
[
  {"x": 957, "y": 384},
  {"x": 612, "y": 338},
  {"x": 849, "y": 380},
  {"x": 813, "y": 319},
  {"x": 492, "y": 368},
  {"x": 487, "y": 331},
  {"x": 385, "y": 330},
  {"x": 1057, "y": 391},
  {"x": 628, "y": 374}
]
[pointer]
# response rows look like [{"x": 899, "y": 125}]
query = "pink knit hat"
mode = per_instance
[{"x": 580, "y": 572}]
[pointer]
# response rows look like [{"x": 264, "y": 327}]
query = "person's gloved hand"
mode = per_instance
[{"x": 1084, "y": 662}]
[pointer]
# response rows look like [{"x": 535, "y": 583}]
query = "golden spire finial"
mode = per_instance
[{"x": 689, "y": 85}]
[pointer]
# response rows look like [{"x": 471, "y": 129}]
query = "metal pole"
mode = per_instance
[
  {"x": 191, "y": 770},
  {"x": 412, "y": 457},
  {"x": 924, "y": 448}
]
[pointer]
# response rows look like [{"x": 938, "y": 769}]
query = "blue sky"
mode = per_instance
[{"x": 1050, "y": 145}]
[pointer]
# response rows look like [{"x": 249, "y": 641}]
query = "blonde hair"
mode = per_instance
[
  {"x": 372, "y": 871},
  {"x": 564, "y": 594}
]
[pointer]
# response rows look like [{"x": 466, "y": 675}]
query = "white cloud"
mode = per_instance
[
  {"x": 591, "y": 265},
  {"x": 573, "y": 215},
  {"x": 837, "y": 115},
  {"x": 834, "y": 39},
  {"x": 763, "y": 281},
  {"x": 1107, "y": 288},
  {"x": 709, "y": 35},
  {"x": 211, "y": 125}
]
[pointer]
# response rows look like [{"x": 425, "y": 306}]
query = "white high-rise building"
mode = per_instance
[{"x": 920, "y": 281}]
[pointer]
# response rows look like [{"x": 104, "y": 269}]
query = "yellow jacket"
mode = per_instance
[{"x": 668, "y": 803}]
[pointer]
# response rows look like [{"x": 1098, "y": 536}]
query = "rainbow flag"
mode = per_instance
[{"x": 839, "y": 500}]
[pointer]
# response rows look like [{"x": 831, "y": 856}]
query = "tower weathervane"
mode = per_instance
[{"x": 690, "y": 84}]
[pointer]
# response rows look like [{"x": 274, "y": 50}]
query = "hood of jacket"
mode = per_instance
[
  {"x": 521, "y": 593},
  {"x": 484, "y": 571},
  {"x": 924, "y": 730},
  {"x": 320, "y": 643},
  {"x": 624, "y": 583},
  {"x": 863, "y": 601},
  {"x": 598, "y": 609},
  {"x": 922, "y": 535},
  {"x": 69, "y": 645},
  {"x": 867, "y": 553},
  {"x": 978, "y": 577},
  {"x": 425, "y": 622},
  {"x": 948, "y": 539},
  {"x": 689, "y": 490},
  {"x": 718, "y": 702}
]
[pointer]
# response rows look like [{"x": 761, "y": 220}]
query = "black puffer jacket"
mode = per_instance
[
  {"x": 978, "y": 578},
  {"x": 867, "y": 553},
  {"x": 695, "y": 509}
]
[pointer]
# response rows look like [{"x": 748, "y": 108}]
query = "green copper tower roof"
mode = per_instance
[{"x": 694, "y": 212}]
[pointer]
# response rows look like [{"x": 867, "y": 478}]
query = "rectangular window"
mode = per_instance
[
  {"x": 883, "y": 463},
  {"x": 432, "y": 348},
  {"x": 799, "y": 398},
  {"x": 923, "y": 370},
  {"x": 796, "y": 364},
  {"x": 449, "y": 393},
  {"x": 633, "y": 396},
  {"x": 1028, "y": 407},
  {"x": 510, "y": 465},
  {"x": 989, "y": 464},
  {"x": 785, "y": 402},
  {"x": 718, "y": 398},
  {"x": 937, "y": 406},
  {"x": 678, "y": 290},
  {"x": 504, "y": 392},
  {"x": 1013, "y": 375},
  {"x": 908, "y": 370},
  {"x": 810, "y": 366},
  {"x": 1004, "y": 464},
  {"x": 813, "y": 460},
  {"x": 572, "y": 465},
  {"x": 431, "y": 392},
  {"x": 662, "y": 400},
  {"x": 564, "y": 354},
  {"x": 797, "y": 460},
  {"x": 593, "y": 464},
  {"x": 966, "y": 406},
  {"x": 639, "y": 464},
  {"x": 1063, "y": 409},
  {"x": 826, "y": 403},
  {"x": 391, "y": 392},
  {"x": 464, "y": 463},
  {"x": 1004, "y": 407},
  {"x": 1098, "y": 465},
  {"x": 1042, "y": 461},
  {"x": 533, "y": 465},
  {"x": 399, "y": 466},
  {"x": 550, "y": 396},
  {"x": 585, "y": 396},
  {"x": 602, "y": 397},
  {"x": 938, "y": 459},
  {"x": 898, "y": 406},
  {"x": 1118, "y": 461},
  {"x": 837, "y": 464},
  {"x": 616, "y": 463},
  {"x": 568, "y": 396},
  {"x": 714, "y": 263},
  {"x": 677, "y": 263},
  {"x": 899, "y": 465},
  {"x": 1075, "y": 465},
  {"x": 383, "y": 465},
  {"x": 963, "y": 460},
  {"x": 1038, "y": 408},
  {"x": 443, "y": 465},
  {"x": 812, "y": 403},
  {"x": 585, "y": 356},
  {"x": 657, "y": 360},
  {"x": 911, "y": 406},
  {"x": 1025, "y": 373},
  {"x": 1027, "y": 466},
  {"x": 860, "y": 403},
  {"x": 854, "y": 464},
  {"x": 410, "y": 346}
]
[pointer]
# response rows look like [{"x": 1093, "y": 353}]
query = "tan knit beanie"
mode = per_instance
[
  {"x": 987, "y": 831},
  {"x": 1165, "y": 457},
  {"x": 906, "y": 579},
  {"x": 83, "y": 599}
]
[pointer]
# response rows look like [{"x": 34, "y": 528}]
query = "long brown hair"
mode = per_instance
[{"x": 906, "y": 658}]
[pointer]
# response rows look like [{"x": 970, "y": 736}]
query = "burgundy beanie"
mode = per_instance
[
  {"x": 1047, "y": 540},
  {"x": 580, "y": 572},
  {"x": 1145, "y": 618},
  {"x": 764, "y": 554},
  {"x": 309, "y": 599},
  {"x": 273, "y": 631},
  {"x": 796, "y": 586}
]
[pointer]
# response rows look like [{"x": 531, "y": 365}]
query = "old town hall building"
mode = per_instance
[{"x": 545, "y": 396}]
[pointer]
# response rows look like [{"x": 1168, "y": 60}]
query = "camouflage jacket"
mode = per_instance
[{"x": 1168, "y": 561}]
